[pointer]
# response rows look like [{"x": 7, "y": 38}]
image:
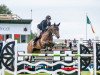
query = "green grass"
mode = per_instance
[
  {"x": 85, "y": 73},
  {"x": 6, "y": 73},
  {"x": 82, "y": 73}
]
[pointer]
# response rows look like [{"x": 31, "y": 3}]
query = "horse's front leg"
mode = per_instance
[
  {"x": 50, "y": 45},
  {"x": 28, "y": 58}
]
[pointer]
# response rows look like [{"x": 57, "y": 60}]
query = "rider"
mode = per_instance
[{"x": 42, "y": 27}]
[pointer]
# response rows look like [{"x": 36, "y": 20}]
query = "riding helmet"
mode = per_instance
[{"x": 48, "y": 17}]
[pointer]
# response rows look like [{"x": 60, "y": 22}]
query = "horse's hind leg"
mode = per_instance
[
  {"x": 30, "y": 59},
  {"x": 27, "y": 58}
]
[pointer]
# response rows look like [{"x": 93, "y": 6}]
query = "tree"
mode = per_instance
[
  {"x": 32, "y": 36},
  {"x": 4, "y": 9}
]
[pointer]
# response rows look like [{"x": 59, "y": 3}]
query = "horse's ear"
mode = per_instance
[{"x": 58, "y": 24}]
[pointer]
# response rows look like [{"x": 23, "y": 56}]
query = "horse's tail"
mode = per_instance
[{"x": 30, "y": 47}]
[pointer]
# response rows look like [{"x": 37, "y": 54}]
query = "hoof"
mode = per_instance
[
  {"x": 26, "y": 59},
  {"x": 50, "y": 49}
]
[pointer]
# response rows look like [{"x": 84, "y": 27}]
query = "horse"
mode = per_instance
[{"x": 46, "y": 39}]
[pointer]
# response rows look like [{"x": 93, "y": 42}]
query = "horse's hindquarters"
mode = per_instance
[{"x": 31, "y": 48}]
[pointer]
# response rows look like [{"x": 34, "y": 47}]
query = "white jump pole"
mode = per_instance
[
  {"x": 79, "y": 73},
  {"x": 15, "y": 62},
  {"x": 94, "y": 57},
  {"x": 3, "y": 68},
  {"x": 58, "y": 55}
]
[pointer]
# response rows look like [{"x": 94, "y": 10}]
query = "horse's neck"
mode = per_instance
[{"x": 47, "y": 35}]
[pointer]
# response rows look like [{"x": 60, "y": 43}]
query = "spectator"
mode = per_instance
[
  {"x": 70, "y": 44},
  {"x": 75, "y": 42},
  {"x": 65, "y": 42},
  {"x": 90, "y": 43}
]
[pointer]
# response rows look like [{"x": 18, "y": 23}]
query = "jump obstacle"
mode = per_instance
[{"x": 9, "y": 59}]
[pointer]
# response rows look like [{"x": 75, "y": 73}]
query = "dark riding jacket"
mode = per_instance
[{"x": 43, "y": 25}]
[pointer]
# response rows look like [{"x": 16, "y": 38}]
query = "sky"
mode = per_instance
[{"x": 70, "y": 13}]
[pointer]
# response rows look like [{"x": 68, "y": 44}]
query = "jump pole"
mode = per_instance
[
  {"x": 15, "y": 62},
  {"x": 79, "y": 72},
  {"x": 94, "y": 57},
  {"x": 64, "y": 55}
]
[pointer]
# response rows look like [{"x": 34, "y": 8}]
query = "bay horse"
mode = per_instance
[{"x": 46, "y": 39}]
